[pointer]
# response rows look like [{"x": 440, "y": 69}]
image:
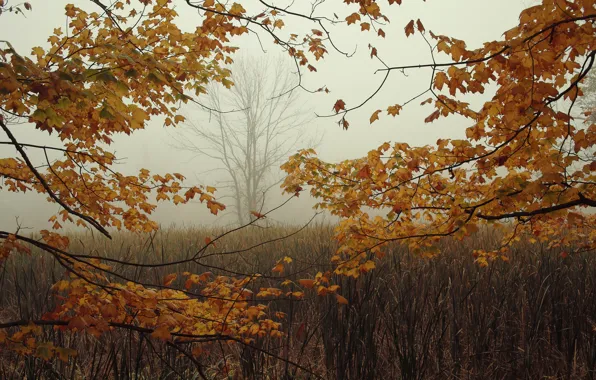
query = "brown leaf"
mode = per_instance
[
  {"x": 419, "y": 26},
  {"x": 257, "y": 214},
  {"x": 339, "y": 106},
  {"x": 409, "y": 28}
]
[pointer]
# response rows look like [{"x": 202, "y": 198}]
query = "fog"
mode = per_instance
[{"x": 351, "y": 79}]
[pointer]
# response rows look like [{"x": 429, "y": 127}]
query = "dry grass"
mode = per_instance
[{"x": 412, "y": 318}]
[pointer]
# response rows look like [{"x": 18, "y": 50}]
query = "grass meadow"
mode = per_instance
[{"x": 533, "y": 317}]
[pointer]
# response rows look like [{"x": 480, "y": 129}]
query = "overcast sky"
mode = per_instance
[{"x": 351, "y": 79}]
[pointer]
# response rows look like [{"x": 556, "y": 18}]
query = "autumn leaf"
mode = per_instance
[
  {"x": 364, "y": 173},
  {"x": 169, "y": 279},
  {"x": 409, "y": 28},
  {"x": 345, "y": 123},
  {"x": 339, "y": 106},
  {"x": 341, "y": 300},
  {"x": 77, "y": 323},
  {"x": 307, "y": 283},
  {"x": 419, "y": 26},
  {"x": 394, "y": 110},
  {"x": 375, "y": 116},
  {"x": 278, "y": 24},
  {"x": 258, "y": 215},
  {"x": 279, "y": 268},
  {"x": 237, "y": 9},
  {"x": 440, "y": 80},
  {"x": 162, "y": 332},
  {"x": 373, "y": 51},
  {"x": 351, "y": 19}
]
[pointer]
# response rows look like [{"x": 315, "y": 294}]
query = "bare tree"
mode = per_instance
[
  {"x": 587, "y": 103},
  {"x": 250, "y": 144}
]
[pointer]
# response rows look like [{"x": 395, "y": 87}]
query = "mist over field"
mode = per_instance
[{"x": 155, "y": 148}]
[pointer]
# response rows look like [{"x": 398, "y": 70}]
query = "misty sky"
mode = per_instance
[{"x": 351, "y": 79}]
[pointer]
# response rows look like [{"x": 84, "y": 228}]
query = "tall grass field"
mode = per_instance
[{"x": 532, "y": 317}]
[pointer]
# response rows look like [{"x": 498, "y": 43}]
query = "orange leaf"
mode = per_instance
[
  {"x": 341, "y": 300},
  {"x": 167, "y": 281},
  {"x": 279, "y": 268},
  {"x": 351, "y": 19},
  {"x": 440, "y": 80},
  {"x": 77, "y": 323},
  {"x": 364, "y": 173},
  {"x": 394, "y": 110},
  {"x": 307, "y": 283},
  {"x": 162, "y": 332},
  {"x": 375, "y": 116}
]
